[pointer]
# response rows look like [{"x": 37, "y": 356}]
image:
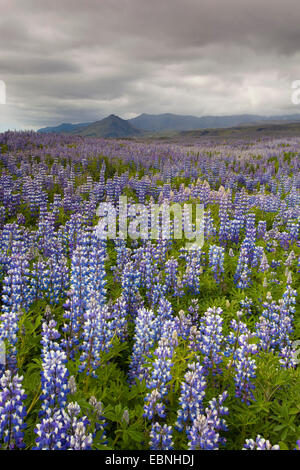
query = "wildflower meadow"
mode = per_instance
[{"x": 139, "y": 342}]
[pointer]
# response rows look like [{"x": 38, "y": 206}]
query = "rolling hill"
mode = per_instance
[
  {"x": 176, "y": 122},
  {"x": 64, "y": 128}
]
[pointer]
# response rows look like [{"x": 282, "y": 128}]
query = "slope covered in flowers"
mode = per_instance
[{"x": 142, "y": 344}]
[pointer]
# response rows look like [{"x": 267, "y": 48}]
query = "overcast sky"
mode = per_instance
[{"x": 80, "y": 60}]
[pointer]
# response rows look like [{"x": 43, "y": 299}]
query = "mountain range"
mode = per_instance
[{"x": 148, "y": 124}]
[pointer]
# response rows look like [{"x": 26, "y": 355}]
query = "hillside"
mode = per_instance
[
  {"x": 163, "y": 124},
  {"x": 64, "y": 128},
  {"x": 176, "y": 122}
]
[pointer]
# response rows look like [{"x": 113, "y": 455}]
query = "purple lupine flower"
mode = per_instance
[
  {"x": 80, "y": 440},
  {"x": 77, "y": 435},
  {"x": 225, "y": 204},
  {"x": 131, "y": 280},
  {"x": 16, "y": 294},
  {"x": 211, "y": 339},
  {"x": 239, "y": 328},
  {"x": 161, "y": 372},
  {"x": 259, "y": 444},
  {"x": 54, "y": 374},
  {"x": 123, "y": 257},
  {"x": 245, "y": 367},
  {"x": 191, "y": 277},
  {"x": 191, "y": 396},
  {"x": 216, "y": 261},
  {"x": 77, "y": 296},
  {"x": 247, "y": 304},
  {"x": 183, "y": 324},
  {"x": 98, "y": 330},
  {"x": 146, "y": 331},
  {"x": 204, "y": 432},
  {"x": 118, "y": 317},
  {"x": 97, "y": 412},
  {"x": 275, "y": 326},
  {"x": 12, "y": 411},
  {"x": 290, "y": 259},
  {"x": 172, "y": 277},
  {"x": 51, "y": 432},
  {"x": 264, "y": 265},
  {"x": 261, "y": 228},
  {"x": 242, "y": 276},
  {"x": 96, "y": 283},
  {"x": 161, "y": 437},
  {"x": 63, "y": 429},
  {"x": 164, "y": 310},
  {"x": 91, "y": 338},
  {"x": 193, "y": 310}
]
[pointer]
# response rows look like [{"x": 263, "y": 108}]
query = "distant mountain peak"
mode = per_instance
[
  {"x": 110, "y": 127},
  {"x": 113, "y": 117}
]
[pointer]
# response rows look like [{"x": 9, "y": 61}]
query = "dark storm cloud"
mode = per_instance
[{"x": 81, "y": 60}]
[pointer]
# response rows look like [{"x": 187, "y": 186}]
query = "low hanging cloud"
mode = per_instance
[{"x": 75, "y": 61}]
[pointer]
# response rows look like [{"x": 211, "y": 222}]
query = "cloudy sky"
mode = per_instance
[{"x": 80, "y": 60}]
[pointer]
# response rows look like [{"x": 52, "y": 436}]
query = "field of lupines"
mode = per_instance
[{"x": 136, "y": 344}]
